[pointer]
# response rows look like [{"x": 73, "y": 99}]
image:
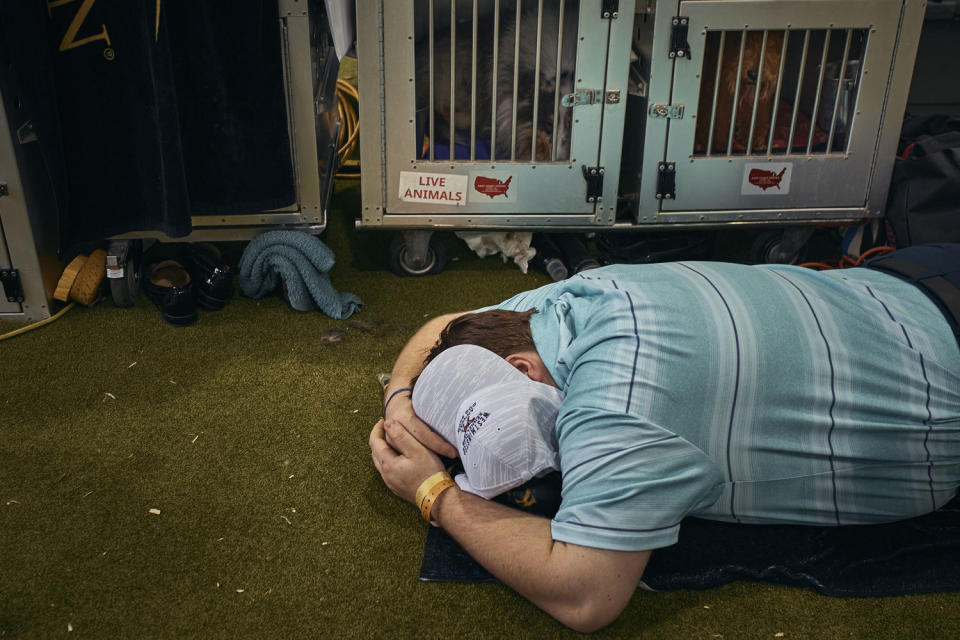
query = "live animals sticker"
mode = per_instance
[
  {"x": 766, "y": 178},
  {"x": 433, "y": 188}
]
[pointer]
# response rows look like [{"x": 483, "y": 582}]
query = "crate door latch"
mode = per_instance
[
  {"x": 582, "y": 97},
  {"x": 667, "y": 111}
]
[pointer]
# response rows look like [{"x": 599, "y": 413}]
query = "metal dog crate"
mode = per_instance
[
  {"x": 28, "y": 245},
  {"x": 310, "y": 73},
  {"x": 801, "y": 101},
  {"x": 29, "y": 217},
  {"x": 310, "y": 68}
]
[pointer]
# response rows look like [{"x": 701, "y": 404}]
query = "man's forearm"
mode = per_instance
[
  {"x": 581, "y": 587},
  {"x": 409, "y": 363}
]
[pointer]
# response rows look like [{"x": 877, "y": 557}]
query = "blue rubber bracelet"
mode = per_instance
[{"x": 391, "y": 398}]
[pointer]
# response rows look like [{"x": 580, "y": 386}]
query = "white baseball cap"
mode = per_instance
[{"x": 500, "y": 421}]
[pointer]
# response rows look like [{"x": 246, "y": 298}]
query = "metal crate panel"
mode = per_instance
[
  {"x": 28, "y": 216},
  {"x": 812, "y": 180},
  {"x": 538, "y": 187},
  {"x": 309, "y": 68},
  {"x": 761, "y": 182},
  {"x": 552, "y": 187},
  {"x": 848, "y": 183}
]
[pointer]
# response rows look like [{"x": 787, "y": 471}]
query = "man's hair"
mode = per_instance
[{"x": 503, "y": 332}]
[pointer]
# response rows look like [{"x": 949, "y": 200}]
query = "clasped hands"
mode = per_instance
[{"x": 404, "y": 450}]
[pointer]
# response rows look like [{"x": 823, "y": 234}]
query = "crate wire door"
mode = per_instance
[
  {"x": 811, "y": 48},
  {"x": 543, "y": 186}
]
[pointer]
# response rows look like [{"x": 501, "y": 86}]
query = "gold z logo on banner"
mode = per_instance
[{"x": 70, "y": 38}]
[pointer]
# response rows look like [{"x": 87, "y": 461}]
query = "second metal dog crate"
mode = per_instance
[
  {"x": 309, "y": 78},
  {"x": 29, "y": 211},
  {"x": 310, "y": 72},
  {"x": 653, "y": 114}
]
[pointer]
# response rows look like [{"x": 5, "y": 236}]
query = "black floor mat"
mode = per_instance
[{"x": 920, "y": 555}]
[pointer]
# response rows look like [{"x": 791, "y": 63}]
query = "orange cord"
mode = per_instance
[
  {"x": 846, "y": 261},
  {"x": 821, "y": 266}
]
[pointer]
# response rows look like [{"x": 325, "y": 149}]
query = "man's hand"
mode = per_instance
[
  {"x": 403, "y": 462},
  {"x": 408, "y": 366},
  {"x": 583, "y": 588},
  {"x": 401, "y": 409}
]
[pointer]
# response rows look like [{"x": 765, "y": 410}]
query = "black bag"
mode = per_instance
[{"x": 924, "y": 201}]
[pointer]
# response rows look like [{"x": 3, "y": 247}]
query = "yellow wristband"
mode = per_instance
[
  {"x": 428, "y": 484},
  {"x": 432, "y": 496}
]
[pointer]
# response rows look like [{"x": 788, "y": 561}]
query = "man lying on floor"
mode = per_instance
[{"x": 751, "y": 394}]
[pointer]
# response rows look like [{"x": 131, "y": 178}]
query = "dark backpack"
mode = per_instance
[{"x": 924, "y": 201}]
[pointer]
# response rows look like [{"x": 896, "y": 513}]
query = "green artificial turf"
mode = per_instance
[{"x": 248, "y": 433}]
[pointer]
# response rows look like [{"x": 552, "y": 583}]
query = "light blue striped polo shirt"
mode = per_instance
[{"x": 754, "y": 394}]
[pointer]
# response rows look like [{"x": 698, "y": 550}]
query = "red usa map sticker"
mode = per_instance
[
  {"x": 766, "y": 178},
  {"x": 433, "y": 188},
  {"x": 492, "y": 187}
]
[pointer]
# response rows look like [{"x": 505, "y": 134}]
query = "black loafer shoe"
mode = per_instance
[
  {"x": 213, "y": 280},
  {"x": 168, "y": 284}
]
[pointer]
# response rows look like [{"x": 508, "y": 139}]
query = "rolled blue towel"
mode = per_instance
[{"x": 301, "y": 262}]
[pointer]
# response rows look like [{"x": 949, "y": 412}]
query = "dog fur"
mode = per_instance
[
  {"x": 529, "y": 145},
  {"x": 753, "y": 75},
  {"x": 758, "y": 72}
]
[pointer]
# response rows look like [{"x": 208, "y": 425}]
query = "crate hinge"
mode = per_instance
[
  {"x": 610, "y": 9},
  {"x": 679, "y": 47},
  {"x": 12, "y": 287},
  {"x": 666, "y": 181},
  {"x": 594, "y": 178}
]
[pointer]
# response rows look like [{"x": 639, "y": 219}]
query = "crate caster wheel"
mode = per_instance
[
  {"x": 780, "y": 247},
  {"x": 417, "y": 253},
  {"x": 123, "y": 271}
]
